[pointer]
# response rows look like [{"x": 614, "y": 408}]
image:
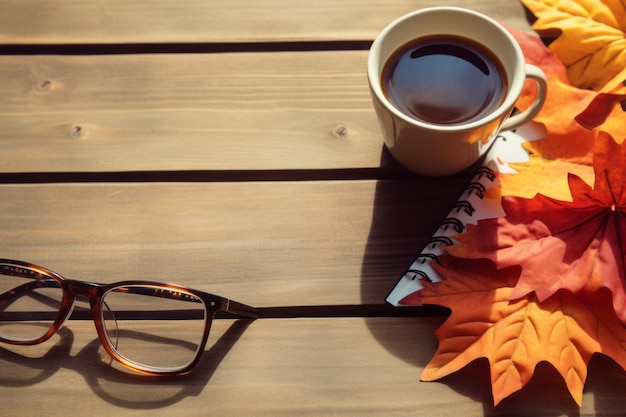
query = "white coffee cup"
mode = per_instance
[{"x": 443, "y": 149}]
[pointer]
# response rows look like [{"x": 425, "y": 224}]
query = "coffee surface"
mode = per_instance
[{"x": 444, "y": 80}]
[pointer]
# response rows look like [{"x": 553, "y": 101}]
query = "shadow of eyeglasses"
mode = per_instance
[
  {"x": 111, "y": 382},
  {"x": 20, "y": 370}
]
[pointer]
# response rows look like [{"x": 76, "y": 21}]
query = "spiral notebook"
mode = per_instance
[{"x": 471, "y": 206}]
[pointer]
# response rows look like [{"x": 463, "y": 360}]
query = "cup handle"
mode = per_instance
[{"x": 537, "y": 75}]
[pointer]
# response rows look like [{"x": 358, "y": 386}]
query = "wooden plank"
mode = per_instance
[
  {"x": 286, "y": 367},
  {"x": 162, "y": 21},
  {"x": 301, "y": 110},
  {"x": 265, "y": 244}
]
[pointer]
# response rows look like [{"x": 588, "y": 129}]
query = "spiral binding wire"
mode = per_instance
[
  {"x": 475, "y": 187},
  {"x": 473, "y": 205}
]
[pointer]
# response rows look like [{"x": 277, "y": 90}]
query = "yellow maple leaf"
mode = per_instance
[
  {"x": 540, "y": 176},
  {"x": 591, "y": 38},
  {"x": 515, "y": 336}
]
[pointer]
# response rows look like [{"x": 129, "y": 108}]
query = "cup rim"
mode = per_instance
[{"x": 515, "y": 84}]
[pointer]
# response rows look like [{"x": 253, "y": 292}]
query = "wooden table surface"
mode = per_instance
[{"x": 231, "y": 147}]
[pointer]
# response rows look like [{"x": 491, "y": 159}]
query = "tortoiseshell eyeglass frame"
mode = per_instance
[{"x": 93, "y": 291}]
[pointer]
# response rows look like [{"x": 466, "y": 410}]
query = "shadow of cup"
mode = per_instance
[{"x": 406, "y": 213}]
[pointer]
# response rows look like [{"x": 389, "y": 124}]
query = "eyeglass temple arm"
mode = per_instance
[
  {"x": 42, "y": 282},
  {"x": 239, "y": 309},
  {"x": 229, "y": 306},
  {"x": 14, "y": 293}
]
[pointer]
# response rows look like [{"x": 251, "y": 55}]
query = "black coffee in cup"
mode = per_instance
[{"x": 444, "y": 79}]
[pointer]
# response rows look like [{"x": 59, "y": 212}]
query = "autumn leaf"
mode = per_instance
[
  {"x": 539, "y": 175},
  {"x": 591, "y": 38},
  {"x": 515, "y": 336},
  {"x": 576, "y": 246},
  {"x": 607, "y": 111},
  {"x": 566, "y": 139}
]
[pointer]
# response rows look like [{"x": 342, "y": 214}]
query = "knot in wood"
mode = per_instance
[
  {"x": 340, "y": 132},
  {"x": 77, "y": 131},
  {"x": 45, "y": 85}
]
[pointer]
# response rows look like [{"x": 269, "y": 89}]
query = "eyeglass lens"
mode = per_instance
[
  {"x": 151, "y": 327},
  {"x": 156, "y": 329},
  {"x": 28, "y": 306}
]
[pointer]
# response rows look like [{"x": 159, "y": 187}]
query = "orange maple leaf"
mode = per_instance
[
  {"x": 591, "y": 38},
  {"x": 574, "y": 245},
  {"x": 566, "y": 139},
  {"x": 515, "y": 336}
]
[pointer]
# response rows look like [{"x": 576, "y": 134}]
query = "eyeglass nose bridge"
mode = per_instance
[
  {"x": 89, "y": 290},
  {"x": 93, "y": 292}
]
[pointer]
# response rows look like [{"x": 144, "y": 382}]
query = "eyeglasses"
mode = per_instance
[{"x": 149, "y": 327}]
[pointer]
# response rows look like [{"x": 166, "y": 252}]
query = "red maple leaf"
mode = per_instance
[
  {"x": 608, "y": 112},
  {"x": 576, "y": 246}
]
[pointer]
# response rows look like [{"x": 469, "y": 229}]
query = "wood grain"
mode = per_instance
[
  {"x": 286, "y": 367},
  {"x": 262, "y": 243},
  {"x": 308, "y": 110},
  {"x": 166, "y": 21}
]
